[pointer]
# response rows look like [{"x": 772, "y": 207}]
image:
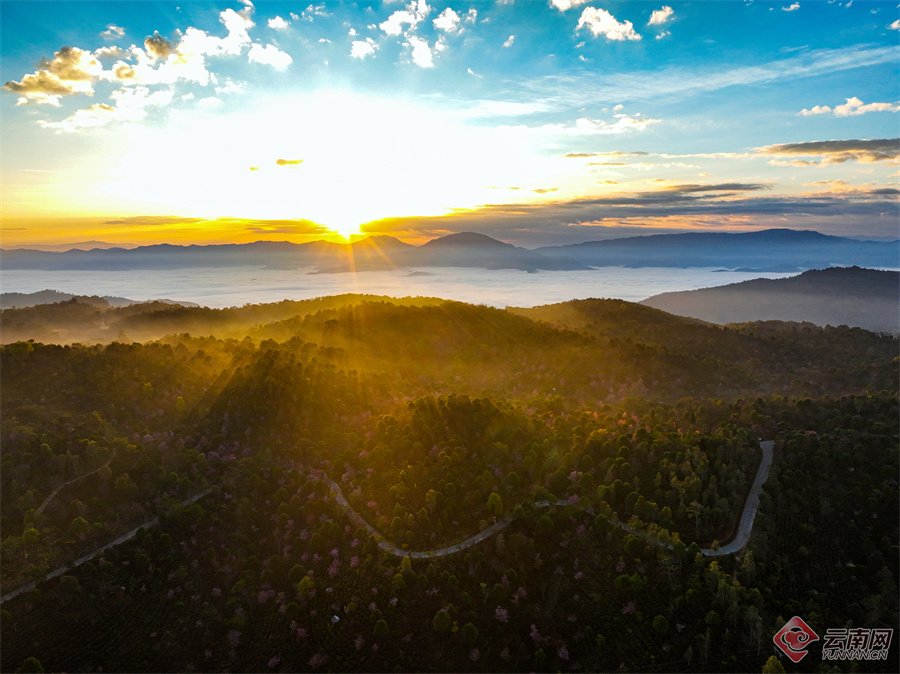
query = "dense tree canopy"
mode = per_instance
[{"x": 283, "y": 475}]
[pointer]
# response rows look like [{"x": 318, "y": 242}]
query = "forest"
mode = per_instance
[{"x": 362, "y": 483}]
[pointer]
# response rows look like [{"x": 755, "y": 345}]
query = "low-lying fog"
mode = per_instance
[{"x": 237, "y": 286}]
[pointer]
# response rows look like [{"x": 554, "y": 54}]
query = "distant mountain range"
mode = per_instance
[
  {"x": 768, "y": 250},
  {"x": 865, "y": 298},
  {"x": 782, "y": 250},
  {"x": 467, "y": 249},
  {"x": 80, "y": 245},
  {"x": 22, "y": 300}
]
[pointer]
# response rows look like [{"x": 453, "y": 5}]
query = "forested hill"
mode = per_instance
[
  {"x": 217, "y": 439},
  {"x": 631, "y": 349},
  {"x": 21, "y": 300},
  {"x": 852, "y": 296}
]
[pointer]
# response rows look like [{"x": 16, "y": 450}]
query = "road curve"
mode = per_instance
[
  {"x": 91, "y": 555},
  {"x": 745, "y": 528},
  {"x": 738, "y": 543},
  {"x": 47, "y": 500},
  {"x": 751, "y": 505}
]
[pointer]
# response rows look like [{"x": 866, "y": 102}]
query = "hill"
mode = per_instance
[
  {"x": 466, "y": 249},
  {"x": 274, "y": 254},
  {"x": 337, "y": 484},
  {"x": 856, "y": 297},
  {"x": 767, "y": 250},
  {"x": 372, "y": 253},
  {"x": 22, "y": 300}
]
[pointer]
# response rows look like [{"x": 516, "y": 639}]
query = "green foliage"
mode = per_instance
[
  {"x": 660, "y": 624},
  {"x": 773, "y": 666},
  {"x": 544, "y": 525},
  {"x": 433, "y": 419},
  {"x": 495, "y": 503},
  {"x": 31, "y": 664},
  {"x": 442, "y": 621},
  {"x": 305, "y": 586},
  {"x": 469, "y": 633}
]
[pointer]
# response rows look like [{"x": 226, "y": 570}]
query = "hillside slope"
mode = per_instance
[{"x": 865, "y": 298}]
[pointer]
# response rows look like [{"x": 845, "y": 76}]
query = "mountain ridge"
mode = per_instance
[
  {"x": 766, "y": 250},
  {"x": 776, "y": 249},
  {"x": 852, "y": 296}
]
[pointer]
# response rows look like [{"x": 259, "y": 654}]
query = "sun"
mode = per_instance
[
  {"x": 349, "y": 232},
  {"x": 326, "y": 161}
]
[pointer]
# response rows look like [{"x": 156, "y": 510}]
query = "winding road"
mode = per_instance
[
  {"x": 745, "y": 528},
  {"x": 751, "y": 505},
  {"x": 53, "y": 493},
  {"x": 94, "y": 553}
]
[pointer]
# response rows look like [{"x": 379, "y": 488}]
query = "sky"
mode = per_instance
[{"x": 537, "y": 122}]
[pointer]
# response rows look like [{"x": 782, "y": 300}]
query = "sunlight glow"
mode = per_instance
[{"x": 334, "y": 158}]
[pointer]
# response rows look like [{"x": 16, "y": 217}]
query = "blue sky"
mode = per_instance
[{"x": 536, "y": 122}]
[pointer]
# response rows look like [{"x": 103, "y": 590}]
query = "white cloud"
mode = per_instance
[
  {"x": 622, "y": 124},
  {"x": 112, "y": 32},
  {"x": 895, "y": 25},
  {"x": 495, "y": 108},
  {"x": 269, "y": 55},
  {"x": 447, "y": 21},
  {"x": 210, "y": 103},
  {"x": 99, "y": 114},
  {"x": 131, "y": 102},
  {"x": 237, "y": 24},
  {"x": 186, "y": 63},
  {"x": 815, "y": 110},
  {"x": 663, "y": 34},
  {"x": 110, "y": 52},
  {"x": 563, "y": 5},
  {"x": 415, "y": 12},
  {"x": 360, "y": 49},
  {"x": 660, "y": 16},
  {"x": 130, "y": 106},
  {"x": 158, "y": 46},
  {"x": 70, "y": 71},
  {"x": 792, "y": 8},
  {"x": 230, "y": 87},
  {"x": 852, "y": 108},
  {"x": 589, "y": 127},
  {"x": 278, "y": 23},
  {"x": 601, "y": 22},
  {"x": 618, "y": 107},
  {"x": 199, "y": 43},
  {"x": 681, "y": 82},
  {"x": 421, "y": 53},
  {"x": 509, "y": 41},
  {"x": 311, "y": 11}
]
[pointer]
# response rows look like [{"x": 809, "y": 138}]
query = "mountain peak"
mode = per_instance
[{"x": 468, "y": 239}]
